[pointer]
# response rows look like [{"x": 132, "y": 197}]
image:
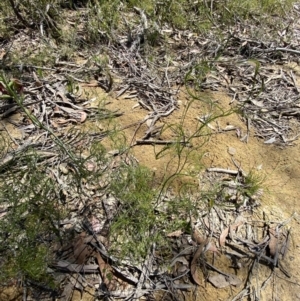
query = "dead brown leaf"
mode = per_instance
[
  {"x": 194, "y": 265},
  {"x": 273, "y": 242},
  {"x": 212, "y": 247},
  {"x": 218, "y": 281},
  {"x": 226, "y": 231},
  {"x": 221, "y": 281},
  {"x": 81, "y": 250},
  {"x": 223, "y": 236},
  {"x": 196, "y": 237},
  {"x": 106, "y": 272}
]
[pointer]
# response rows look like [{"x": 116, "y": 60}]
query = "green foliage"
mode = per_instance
[
  {"x": 248, "y": 8},
  {"x": 103, "y": 19},
  {"x": 99, "y": 22},
  {"x": 42, "y": 14},
  {"x": 253, "y": 183},
  {"x": 136, "y": 219},
  {"x": 105, "y": 16},
  {"x": 32, "y": 201},
  {"x": 35, "y": 205},
  {"x": 139, "y": 223}
]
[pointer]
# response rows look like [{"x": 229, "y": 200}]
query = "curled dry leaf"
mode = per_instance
[
  {"x": 225, "y": 232},
  {"x": 194, "y": 270},
  {"x": 197, "y": 237},
  {"x": 212, "y": 247},
  {"x": 107, "y": 273},
  {"x": 195, "y": 274},
  {"x": 273, "y": 242},
  {"x": 83, "y": 116},
  {"x": 223, "y": 237}
]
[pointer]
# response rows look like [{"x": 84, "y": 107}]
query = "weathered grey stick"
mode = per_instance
[
  {"x": 277, "y": 49},
  {"x": 223, "y": 170}
]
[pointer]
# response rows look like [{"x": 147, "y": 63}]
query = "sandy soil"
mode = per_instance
[{"x": 278, "y": 165}]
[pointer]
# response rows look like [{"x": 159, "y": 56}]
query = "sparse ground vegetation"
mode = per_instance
[{"x": 71, "y": 203}]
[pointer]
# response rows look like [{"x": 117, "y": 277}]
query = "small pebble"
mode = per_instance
[{"x": 231, "y": 151}]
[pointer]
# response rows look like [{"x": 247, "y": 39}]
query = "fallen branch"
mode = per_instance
[{"x": 223, "y": 170}]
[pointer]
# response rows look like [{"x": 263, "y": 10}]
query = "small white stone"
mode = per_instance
[{"x": 231, "y": 151}]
